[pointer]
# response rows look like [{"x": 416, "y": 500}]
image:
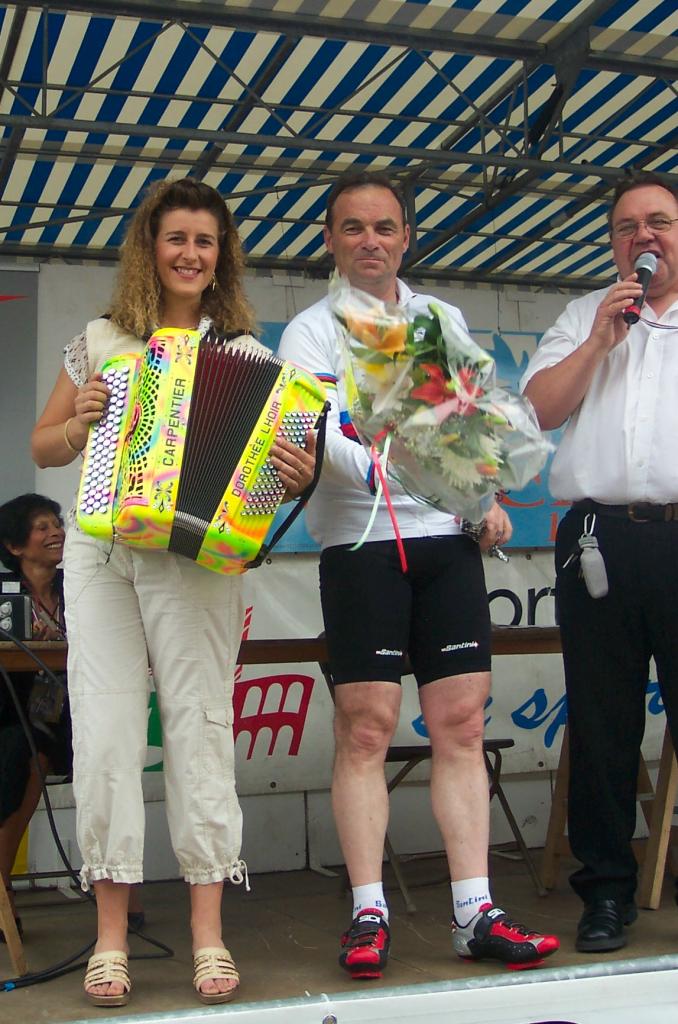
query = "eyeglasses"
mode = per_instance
[{"x": 627, "y": 228}]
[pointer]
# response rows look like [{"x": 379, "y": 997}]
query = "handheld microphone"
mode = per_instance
[{"x": 645, "y": 266}]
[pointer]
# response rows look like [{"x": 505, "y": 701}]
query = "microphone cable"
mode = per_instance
[
  {"x": 73, "y": 962},
  {"x": 661, "y": 327}
]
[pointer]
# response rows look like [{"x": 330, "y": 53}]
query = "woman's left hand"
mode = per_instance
[{"x": 295, "y": 466}]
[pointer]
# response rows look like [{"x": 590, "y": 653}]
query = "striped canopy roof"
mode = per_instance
[{"x": 507, "y": 123}]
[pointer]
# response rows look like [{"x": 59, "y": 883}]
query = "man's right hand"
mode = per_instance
[
  {"x": 609, "y": 327},
  {"x": 556, "y": 391}
]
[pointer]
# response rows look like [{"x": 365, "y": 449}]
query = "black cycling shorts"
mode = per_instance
[{"x": 375, "y": 615}]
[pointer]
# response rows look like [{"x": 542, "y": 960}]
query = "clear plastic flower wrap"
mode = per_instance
[{"x": 456, "y": 438}]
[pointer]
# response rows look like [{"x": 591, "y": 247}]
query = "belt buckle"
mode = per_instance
[{"x": 634, "y": 515}]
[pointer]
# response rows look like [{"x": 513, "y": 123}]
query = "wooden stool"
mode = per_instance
[
  {"x": 657, "y": 846},
  {"x": 657, "y": 806},
  {"x": 14, "y": 945}
]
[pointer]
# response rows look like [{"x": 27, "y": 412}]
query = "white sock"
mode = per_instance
[
  {"x": 468, "y": 896},
  {"x": 371, "y": 896}
]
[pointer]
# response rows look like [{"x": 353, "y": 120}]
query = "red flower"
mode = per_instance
[
  {"x": 469, "y": 390},
  {"x": 436, "y": 389},
  {"x": 439, "y": 389}
]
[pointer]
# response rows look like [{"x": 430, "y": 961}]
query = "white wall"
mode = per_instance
[{"x": 18, "y": 302}]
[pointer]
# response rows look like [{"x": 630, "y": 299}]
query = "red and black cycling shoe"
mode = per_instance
[
  {"x": 364, "y": 947},
  {"x": 492, "y": 935}
]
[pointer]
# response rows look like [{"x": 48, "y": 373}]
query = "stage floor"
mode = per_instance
[{"x": 284, "y": 937}]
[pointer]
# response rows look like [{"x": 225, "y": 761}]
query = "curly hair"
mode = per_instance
[
  {"x": 136, "y": 303},
  {"x": 16, "y": 521}
]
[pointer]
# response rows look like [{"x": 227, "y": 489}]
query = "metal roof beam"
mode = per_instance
[
  {"x": 9, "y": 150},
  {"x": 319, "y": 173},
  {"x": 13, "y": 144},
  {"x": 109, "y": 213},
  {"x": 252, "y": 100},
  {"x": 344, "y": 147},
  {"x": 513, "y": 187},
  {"x": 73, "y": 93},
  {"x": 400, "y": 119},
  {"x": 577, "y": 203},
  {"x": 479, "y": 120},
  {"x": 567, "y": 51},
  {"x": 233, "y": 15},
  {"x": 640, "y": 67},
  {"x": 13, "y": 37},
  {"x": 599, "y": 192},
  {"x": 250, "y": 90},
  {"x": 572, "y": 35}
]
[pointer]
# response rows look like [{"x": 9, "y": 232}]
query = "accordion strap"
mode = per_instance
[{"x": 321, "y": 427}]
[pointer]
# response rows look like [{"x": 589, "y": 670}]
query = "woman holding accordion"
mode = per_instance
[{"x": 129, "y": 610}]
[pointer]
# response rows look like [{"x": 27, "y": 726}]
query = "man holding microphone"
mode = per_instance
[{"x": 612, "y": 379}]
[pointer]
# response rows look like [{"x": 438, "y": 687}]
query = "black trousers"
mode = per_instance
[{"x": 607, "y": 645}]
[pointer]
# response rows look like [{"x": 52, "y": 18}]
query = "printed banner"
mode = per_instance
[{"x": 283, "y": 713}]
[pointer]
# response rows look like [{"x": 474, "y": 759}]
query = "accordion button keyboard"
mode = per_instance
[
  {"x": 96, "y": 490},
  {"x": 267, "y": 493}
]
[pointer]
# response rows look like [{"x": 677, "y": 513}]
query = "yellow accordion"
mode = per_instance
[{"x": 180, "y": 460}]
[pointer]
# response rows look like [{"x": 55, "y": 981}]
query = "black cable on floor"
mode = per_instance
[{"x": 68, "y": 965}]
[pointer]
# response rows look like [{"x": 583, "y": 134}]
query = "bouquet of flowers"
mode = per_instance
[{"x": 424, "y": 388}]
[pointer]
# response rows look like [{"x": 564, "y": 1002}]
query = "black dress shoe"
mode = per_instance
[
  {"x": 601, "y": 927},
  {"x": 629, "y": 912}
]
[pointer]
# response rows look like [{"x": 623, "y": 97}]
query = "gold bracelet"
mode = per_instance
[{"x": 76, "y": 451}]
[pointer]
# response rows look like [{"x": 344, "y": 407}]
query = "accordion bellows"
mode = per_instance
[{"x": 180, "y": 460}]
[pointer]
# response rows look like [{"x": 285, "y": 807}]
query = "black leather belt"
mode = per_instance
[{"x": 636, "y": 511}]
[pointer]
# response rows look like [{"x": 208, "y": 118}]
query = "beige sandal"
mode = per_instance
[
  {"x": 103, "y": 968},
  {"x": 212, "y": 962}
]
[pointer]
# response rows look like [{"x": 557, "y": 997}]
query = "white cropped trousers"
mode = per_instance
[{"x": 127, "y": 610}]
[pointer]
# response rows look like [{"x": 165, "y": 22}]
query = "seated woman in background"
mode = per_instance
[
  {"x": 31, "y": 547},
  {"x": 128, "y": 608}
]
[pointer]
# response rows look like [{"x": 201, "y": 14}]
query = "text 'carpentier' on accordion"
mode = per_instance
[{"x": 180, "y": 460}]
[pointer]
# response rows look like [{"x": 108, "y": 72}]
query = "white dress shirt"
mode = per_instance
[{"x": 621, "y": 444}]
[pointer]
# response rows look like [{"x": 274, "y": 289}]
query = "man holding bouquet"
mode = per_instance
[{"x": 375, "y": 615}]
